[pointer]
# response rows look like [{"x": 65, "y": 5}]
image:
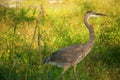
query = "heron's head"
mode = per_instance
[{"x": 93, "y": 14}]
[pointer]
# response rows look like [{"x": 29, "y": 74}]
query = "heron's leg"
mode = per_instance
[
  {"x": 74, "y": 72},
  {"x": 65, "y": 68}
]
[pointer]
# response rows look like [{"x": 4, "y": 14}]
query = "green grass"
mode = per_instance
[{"x": 62, "y": 25}]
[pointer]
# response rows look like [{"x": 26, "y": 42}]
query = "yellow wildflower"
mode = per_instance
[{"x": 17, "y": 71}]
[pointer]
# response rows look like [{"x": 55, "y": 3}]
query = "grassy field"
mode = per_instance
[{"x": 58, "y": 26}]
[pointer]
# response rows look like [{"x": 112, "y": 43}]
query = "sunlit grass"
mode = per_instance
[{"x": 61, "y": 26}]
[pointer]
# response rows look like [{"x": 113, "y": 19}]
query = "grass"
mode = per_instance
[{"x": 62, "y": 25}]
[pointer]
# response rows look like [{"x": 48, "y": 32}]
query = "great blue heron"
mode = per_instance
[{"x": 72, "y": 55}]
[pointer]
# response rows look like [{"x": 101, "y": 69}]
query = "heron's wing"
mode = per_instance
[{"x": 67, "y": 55}]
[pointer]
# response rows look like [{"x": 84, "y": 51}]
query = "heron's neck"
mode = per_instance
[{"x": 90, "y": 28}]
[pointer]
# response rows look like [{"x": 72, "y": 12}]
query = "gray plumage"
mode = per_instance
[{"x": 72, "y": 55}]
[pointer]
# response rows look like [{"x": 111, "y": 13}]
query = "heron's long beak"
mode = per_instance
[{"x": 99, "y": 14}]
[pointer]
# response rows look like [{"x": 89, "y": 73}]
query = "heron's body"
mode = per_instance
[
  {"x": 65, "y": 57},
  {"x": 72, "y": 55}
]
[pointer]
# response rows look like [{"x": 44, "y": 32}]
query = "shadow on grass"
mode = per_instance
[{"x": 111, "y": 58}]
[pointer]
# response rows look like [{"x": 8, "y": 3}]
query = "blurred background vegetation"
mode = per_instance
[{"x": 30, "y": 30}]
